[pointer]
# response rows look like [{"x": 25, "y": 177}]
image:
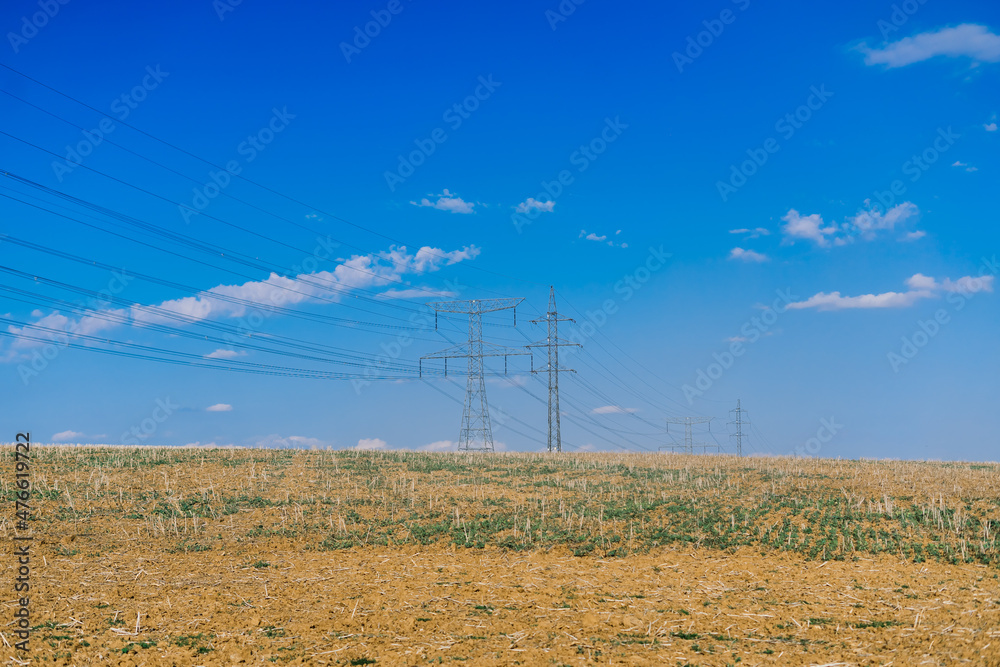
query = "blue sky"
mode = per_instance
[{"x": 789, "y": 204}]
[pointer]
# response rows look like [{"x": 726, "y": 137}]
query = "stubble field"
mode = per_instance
[{"x": 221, "y": 557}]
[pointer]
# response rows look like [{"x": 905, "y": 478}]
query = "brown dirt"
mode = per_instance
[{"x": 117, "y": 581}]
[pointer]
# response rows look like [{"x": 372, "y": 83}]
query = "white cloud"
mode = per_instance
[
  {"x": 225, "y": 354},
  {"x": 447, "y": 201},
  {"x": 869, "y": 223},
  {"x": 866, "y": 225},
  {"x": 834, "y": 301},
  {"x": 748, "y": 255},
  {"x": 415, "y": 294},
  {"x": 613, "y": 410},
  {"x": 371, "y": 444},
  {"x": 219, "y": 407},
  {"x": 919, "y": 281},
  {"x": 808, "y": 227},
  {"x": 920, "y": 287},
  {"x": 990, "y": 127},
  {"x": 966, "y": 40},
  {"x": 531, "y": 204},
  {"x": 914, "y": 236},
  {"x": 66, "y": 436},
  {"x": 291, "y": 442},
  {"x": 603, "y": 238},
  {"x": 374, "y": 270},
  {"x": 968, "y": 285},
  {"x": 756, "y": 232},
  {"x": 511, "y": 381},
  {"x": 440, "y": 446}
]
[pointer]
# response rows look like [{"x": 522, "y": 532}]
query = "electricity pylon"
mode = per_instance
[
  {"x": 689, "y": 444},
  {"x": 553, "y": 343},
  {"x": 477, "y": 432},
  {"x": 739, "y": 422}
]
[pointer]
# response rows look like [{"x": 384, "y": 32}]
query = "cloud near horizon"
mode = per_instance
[{"x": 920, "y": 287}]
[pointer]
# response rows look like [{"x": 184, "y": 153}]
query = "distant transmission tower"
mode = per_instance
[
  {"x": 689, "y": 444},
  {"x": 553, "y": 343},
  {"x": 739, "y": 421},
  {"x": 477, "y": 432}
]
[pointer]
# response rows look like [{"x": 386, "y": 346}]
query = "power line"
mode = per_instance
[
  {"x": 552, "y": 343},
  {"x": 476, "y": 432}
]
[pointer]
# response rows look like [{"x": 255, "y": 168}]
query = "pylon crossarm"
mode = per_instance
[{"x": 475, "y": 306}]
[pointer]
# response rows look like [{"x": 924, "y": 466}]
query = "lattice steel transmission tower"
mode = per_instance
[
  {"x": 553, "y": 343},
  {"x": 739, "y": 421},
  {"x": 689, "y": 444},
  {"x": 477, "y": 432}
]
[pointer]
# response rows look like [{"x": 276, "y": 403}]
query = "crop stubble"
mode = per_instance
[{"x": 228, "y": 556}]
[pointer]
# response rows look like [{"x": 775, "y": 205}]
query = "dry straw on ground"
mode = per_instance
[{"x": 220, "y": 557}]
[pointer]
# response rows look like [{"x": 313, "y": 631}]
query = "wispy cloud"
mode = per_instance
[
  {"x": 967, "y": 40},
  {"x": 415, "y": 293},
  {"x": 807, "y": 227},
  {"x": 866, "y": 225},
  {"x": 603, "y": 238},
  {"x": 754, "y": 233},
  {"x": 371, "y": 444},
  {"x": 224, "y": 354},
  {"x": 869, "y": 223},
  {"x": 613, "y": 410},
  {"x": 919, "y": 287},
  {"x": 440, "y": 446},
  {"x": 374, "y": 270},
  {"x": 532, "y": 204},
  {"x": 219, "y": 407},
  {"x": 276, "y": 441},
  {"x": 447, "y": 201},
  {"x": 990, "y": 127},
  {"x": 959, "y": 163},
  {"x": 66, "y": 436},
  {"x": 748, "y": 255}
]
